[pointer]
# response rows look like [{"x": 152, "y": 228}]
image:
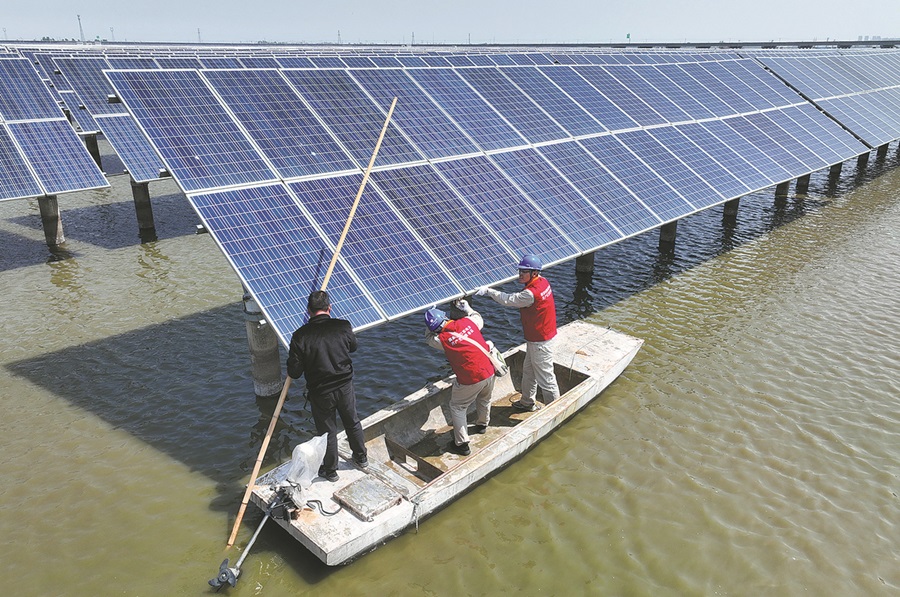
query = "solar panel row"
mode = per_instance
[
  {"x": 40, "y": 154},
  {"x": 479, "y": 165}
]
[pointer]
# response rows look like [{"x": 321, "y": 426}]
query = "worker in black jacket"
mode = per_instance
[{"x": 320, "y": 350}]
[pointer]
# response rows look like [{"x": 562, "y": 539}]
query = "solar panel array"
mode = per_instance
[
  {"x": 860, "y": 91},
  {"x": 40, "y": 154},
  {"x": 479, "y": 165}
]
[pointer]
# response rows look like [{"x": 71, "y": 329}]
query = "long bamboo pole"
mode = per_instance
[
  {"x": 365, "y": 179},
  {"x": 287, "y": 381}
]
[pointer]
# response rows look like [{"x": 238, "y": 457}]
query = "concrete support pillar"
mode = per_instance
[
  {"x": 862, "y": 160},
  {"x": 667, "y": 233},
  {"x": 50, "y": 220},
  {"x": 835, "y": 172},
  {"x": 146, "y": 226},
  {"x": 265, "y": 360},
  {"x": 783, "y": 189},
  {"x": 730, "y": 209},
  {"x": 584, "y": 264},
  {"x": 803, "y": 184},
  {"x": 882, "y": 151},
  {"x": 94, "y": 149}
]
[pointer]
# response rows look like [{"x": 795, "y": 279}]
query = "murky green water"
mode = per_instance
[{"x": 751, "y": 448}]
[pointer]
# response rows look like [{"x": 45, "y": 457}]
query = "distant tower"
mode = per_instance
[
  {"x": 339, "y": 37},
  {"x": 112, "y": 34},
  {"x": 80, "y": 29},
  {"x": 199, "y": 41}
]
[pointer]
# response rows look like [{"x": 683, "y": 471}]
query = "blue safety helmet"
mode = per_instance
[
  {"x": 434, "y": 319},
  {"x": 532, "y": 262}
]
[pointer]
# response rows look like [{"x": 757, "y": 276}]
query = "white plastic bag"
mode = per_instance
[{"x": 306, "y": 460}]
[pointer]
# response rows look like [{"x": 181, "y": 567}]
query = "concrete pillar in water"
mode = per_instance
[
  {"x": 667, "y": 233},
  {"x": 265, "y": 360},
  {"x": 782, "y": 190},
  {"x": 882, "y": 151},
  {"x": 94, "y": 149},
  {"x": 584, "y": 264},
  {"x": 862, "y": 160},
  {"x": 146, "y": 227},
  {"x": 50, "y": 220},
  {"x": 835, "y": 172},
  {"x": 803, "y": 184}
]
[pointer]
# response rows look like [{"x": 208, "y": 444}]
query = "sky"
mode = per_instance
[{"x": 451, "y": 21}]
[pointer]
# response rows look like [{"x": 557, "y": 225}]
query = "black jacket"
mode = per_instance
[{"x": 320, "y": 349}]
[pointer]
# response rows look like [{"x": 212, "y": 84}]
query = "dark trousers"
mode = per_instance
[{"x": 324, "y": 406}]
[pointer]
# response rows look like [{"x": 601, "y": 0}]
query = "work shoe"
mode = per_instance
[
  {"x": 331, "y": 476},
  {"x": 518, "y": 405},
  {"x": 362, "y": 461},
  {"x": 461, "y": 449},
  {"x": 479, "y": 429}
]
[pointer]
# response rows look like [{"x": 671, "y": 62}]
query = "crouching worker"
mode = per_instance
[{"x": 461, "y": 339}]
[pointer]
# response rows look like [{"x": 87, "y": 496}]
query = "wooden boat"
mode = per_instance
[{"x": 411, "y": 473}]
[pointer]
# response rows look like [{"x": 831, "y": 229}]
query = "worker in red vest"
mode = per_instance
[
  {"x": 465, "y": 348},
  {"x": 538, "y": 313}
]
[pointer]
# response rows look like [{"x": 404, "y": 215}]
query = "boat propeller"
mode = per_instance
[{"x": 226, "y": 576}]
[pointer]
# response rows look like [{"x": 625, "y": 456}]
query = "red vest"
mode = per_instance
[
  {"x": 539, "y": 320},
  {"x": 468, "y": 363}
]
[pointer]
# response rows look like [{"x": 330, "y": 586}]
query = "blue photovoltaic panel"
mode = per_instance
[
  {"x": 327, "y": 62},
  {"x": 278, "y": 121},
  {"x": 849, "y": 113},
  {"x": 279, "y": 256},
  {"x": 637, "y": 176},
  {"x": 739, "y": 86},
  {"x": 481, "y": 60},
  {"x": 705, "y": 163},
  {"x": 554, "y": 100},
  {"x": 692, "y": 87},
  {"x": 197, "y": 139},
  {"x": 459, "y": 61},
  {"x": 16, "y": 180},
  {"x": 767, "y": 135},
  {"x": 763, "y": 82},
  {"x": 352, "y": 116},
  {"x": 666, "y": 86},
  {"x": 85, "y": 76},
  {"x": 504, "y": 208},
  {"x": 259, "y": 61},
  {"x": 57, "y": 155},
  {"x": 471, "y": 112},
  {"x": 523, "y": 59},
  {"x": 575, "y": 216},
  {"x": 747, "y": 149},
  {"x": 132, "y": 146},
  {"x": 449, "y": 228},
  {"x": 719, "y": 183},
  {"x": 641, "y": 80},
  {"x": 718, "y": 88},
  {"x": 178, "y": 62},
  {"x": 386, "y": 61},
  {"x": 358, "y": 62},
  {"x": 294, "y": 62},
  {"x": 526, "y": 116},
  {"x": 423, "y": 122},
  {"x": 131, "y": 62},
  {"x": 501, "y": 60},
  {"x": 436, "y": 61},
  {"x": 23, "y": 96},
  {"x": 621, "y": 96},
  {"x": 610, "y": 116},
  {"x": 220, "y": 62},
  {"x": 794, "y": 138},
  {"x": 829, "y": 132},
  {"x": 385, "y": 255},
  {"x": 82, "y": 117},
  {"x": 614, "y": 201},
  {"x": 56, "y": 79}
]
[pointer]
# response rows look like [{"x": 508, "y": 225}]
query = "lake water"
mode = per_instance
[{"x": 751, "y": 448}]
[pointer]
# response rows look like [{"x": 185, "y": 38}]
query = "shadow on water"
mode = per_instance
[{"x": 114, "y": 225}]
